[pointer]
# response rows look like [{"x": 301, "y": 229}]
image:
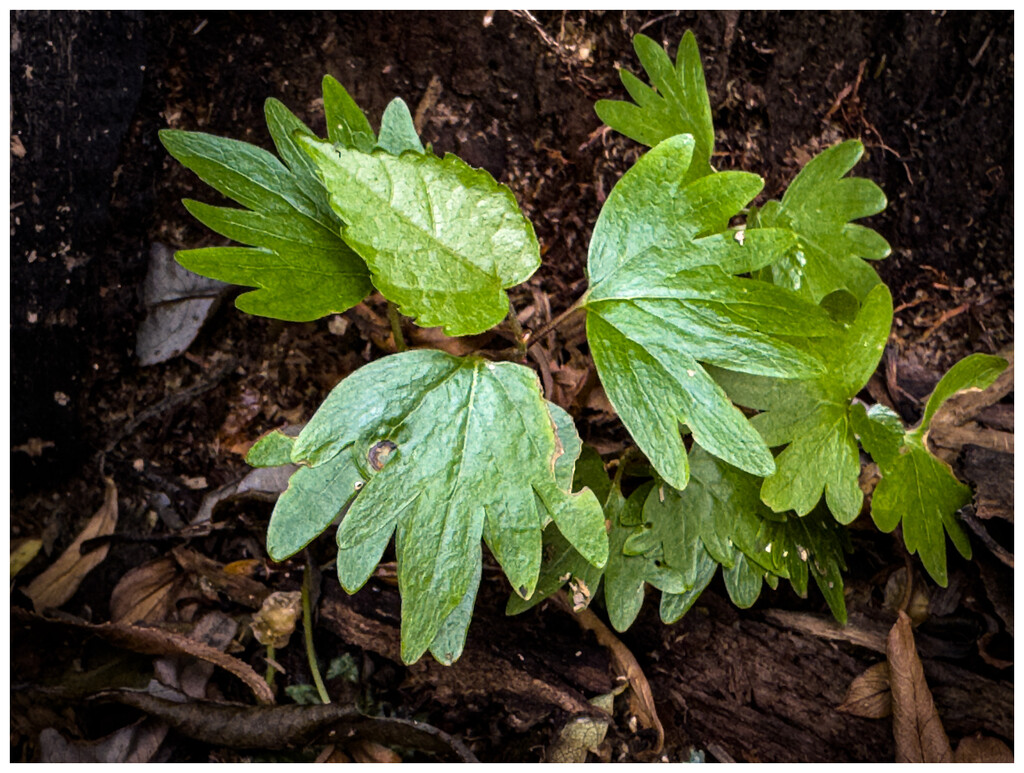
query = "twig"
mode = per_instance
[
  {"x": 307, "y": 625},
  {"x": 976, "y": 526},
  {"x": 396, "y": 327},
  {"x": 943, "y": 319},
  {"x": 625, "y": 663},
  {"x": 539, "y": 334}
]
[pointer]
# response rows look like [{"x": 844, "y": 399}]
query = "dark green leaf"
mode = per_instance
[
  {"x": 662, "y": 301},
  {"x": 625, "y": 575},
  {"x": 346, "y": 123},
  {"x": 819, "y": 206},
  {"x": 297, "y": 259},
  {"x": 442, "y": 239},
  {"x": 680, "y": 105},
  {"x": 813, "y": 416},
  {"x": 916, "y": 487},
  {"x": 486, "y": 471}
]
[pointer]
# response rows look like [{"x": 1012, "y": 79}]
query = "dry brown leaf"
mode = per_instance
[
  {"x": 191, "y": 676},
  {"x": 237, "y": 587},
  {"x": 264, "y": 484},
  {"x": 641, "y": 698},
  {"x": 157, "y": 641},
  {"x": 915, "y": 722},
  {"x": 979, "y": 748},
  {"x": 136, "y": 743},
  {"x": 148, "y": 593},
  {"x": 55, "y": 586},
  {"x": 370, "y": 751},
  {"x": 869, "y": 695}
]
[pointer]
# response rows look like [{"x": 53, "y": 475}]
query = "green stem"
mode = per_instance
[
  {"x": 517, "y": 329},
  {"x": 307, "y": 625},
  {"x": 396, "y": 327},
  {"x": 271, "y": 671}
]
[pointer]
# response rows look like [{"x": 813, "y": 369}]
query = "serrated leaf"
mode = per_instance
[
  {"x": 662, "y": 301},
  {"x": 812, "y": 416},
  {"x": 296, "y": 258},
  {"x": 486, "y": 471},
  {"x": 719, "y": 518},
  {"x": 397, "y": 131},
  {"x": 443, "y": 240},
  {"x": 562, "y": 563},
  {"x": 916, "y": 487},
  {"x": 625, "y": 575},
  {"x": 819, "y": 206},
  {"x": 346, "y": 123},
  {"x": 679, "y": 106}
]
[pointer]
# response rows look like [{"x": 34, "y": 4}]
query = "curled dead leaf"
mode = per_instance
[
  {"x": 136, "y": 743},
  {"x": 869, "y": 695},
  {"x": 148, "y": 593},
  {"x": 275, "y": 622},
  {"x": 916, "y": 726},
  {"x": 57, "y": 584},
  {"x": 148, "y": 640}
]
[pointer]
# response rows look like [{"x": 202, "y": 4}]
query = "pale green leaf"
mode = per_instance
[
  {"x": 812, "y": 416},
  {"x": 562, "y": 563},
  {"x": 486, "y": 471},
  {"x": 663, "y": 302},
  {"x": 819, "y": 206},
  {"x": 443, "y": 240},
  {"x": 680, "y": 105},
  {"x": 976, "y": 371},
  {"x": 397, "y": 132},
  {"x": 271, "y": 450}
]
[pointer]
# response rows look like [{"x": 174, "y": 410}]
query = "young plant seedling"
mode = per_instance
[{"x": 688, "y": 318}]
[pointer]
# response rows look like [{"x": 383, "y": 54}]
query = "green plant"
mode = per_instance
[{"x": 690, "y": 316}]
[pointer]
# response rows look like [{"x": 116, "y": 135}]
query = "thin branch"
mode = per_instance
[{"x": 539, "y": 334}]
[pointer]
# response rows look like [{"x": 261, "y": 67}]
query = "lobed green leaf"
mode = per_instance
[
  {"x": 443, "y": 240},
  {"x": 818, "y": 207},
  {"x": 662, "y": 302},
  {"x": 679, "y": 106},
  {"x": 488, "y": 471},
  {"x": 917, "y": 488}
]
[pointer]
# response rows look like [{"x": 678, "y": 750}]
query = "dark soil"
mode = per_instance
[{"x": 930, "y": 94}]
